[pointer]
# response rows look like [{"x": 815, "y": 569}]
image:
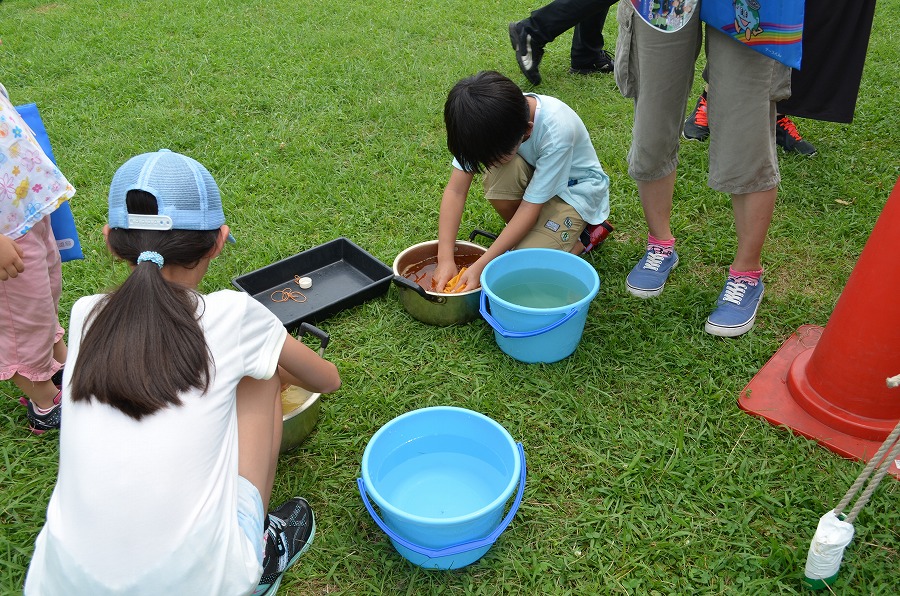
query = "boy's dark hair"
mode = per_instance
[
  {"x": 144, "y": 344},
  {"x": 486, "y": 117}
]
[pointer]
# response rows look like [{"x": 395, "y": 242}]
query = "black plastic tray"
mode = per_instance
[{"x": 343, "y": 275}]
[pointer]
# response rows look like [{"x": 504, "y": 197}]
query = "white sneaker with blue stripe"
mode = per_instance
[{"x": 736, "y": 307}]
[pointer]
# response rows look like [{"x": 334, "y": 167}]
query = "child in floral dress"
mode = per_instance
[{"x": 31, "y": 339}]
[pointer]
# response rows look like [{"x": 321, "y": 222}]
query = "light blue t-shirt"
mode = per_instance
[{"x": 564, "y": 160}]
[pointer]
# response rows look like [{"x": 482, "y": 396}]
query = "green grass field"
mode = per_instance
[{"x": 324, "y": 119}]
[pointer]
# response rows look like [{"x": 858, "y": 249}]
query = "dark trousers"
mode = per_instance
[
  {"x": 586, "y": 16},
  {"x": 835, "y": 42}
]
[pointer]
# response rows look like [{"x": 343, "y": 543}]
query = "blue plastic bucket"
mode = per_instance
[
  {"x": 441, "y": 478},
  {"x": 536, "y": 300}
]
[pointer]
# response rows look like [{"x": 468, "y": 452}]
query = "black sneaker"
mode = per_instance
[
  {"x": 528, "y": 53},
  {"x": 788, "y": 138},
  {"x": 289, "y": 534},
  {"x": 41, "y": 423},
  {"x": 696, "y": 127},
  {"x": 57, "y": 377},
  {"x": 603, "y": 65}
]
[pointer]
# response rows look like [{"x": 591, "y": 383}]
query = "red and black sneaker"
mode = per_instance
[
  {"x": 696, "y": 127},
  {"x": 593, "y": 235},
  {"x": 788, "y": 138}
]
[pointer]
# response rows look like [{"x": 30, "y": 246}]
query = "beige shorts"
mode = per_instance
[
  {"x": 656, "y": 69},
  {"x": 559, "y": 224}
]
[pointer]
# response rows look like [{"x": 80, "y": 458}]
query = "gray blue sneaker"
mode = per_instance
[
  {"x": 648, "y": 278},
  {"x": 736, "y": 308}
]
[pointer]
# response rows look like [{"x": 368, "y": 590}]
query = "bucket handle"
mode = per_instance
[
  {"x": 406, "y": 284},
  {"x": 324, "y": 338},
  {"x": 519, "y": 334},
  {"x": 433, "y": 553},
  {"x": 476, "y": 232}
]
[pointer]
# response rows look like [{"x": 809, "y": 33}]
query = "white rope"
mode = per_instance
[
  {"x": 883, "y": 463},
  {"x": 835, "y": 530},
  {"x": 877, "y": 459},
  {"x": 870, "y": 488}
]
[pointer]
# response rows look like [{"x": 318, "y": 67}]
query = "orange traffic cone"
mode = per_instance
[{"x": 828, "y": 384}]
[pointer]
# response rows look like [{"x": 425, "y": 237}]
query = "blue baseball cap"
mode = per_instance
[{"x": 187, "y": 197}]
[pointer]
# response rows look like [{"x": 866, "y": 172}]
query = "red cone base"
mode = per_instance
[
  {"x": 768, "y": 396},
  {"x": 830, "y": 384}
]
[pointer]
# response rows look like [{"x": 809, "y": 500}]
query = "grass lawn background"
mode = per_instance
[{"x": 322, "y": 120}]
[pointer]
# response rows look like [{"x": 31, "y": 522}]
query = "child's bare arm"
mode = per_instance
[
  {"x": 521, "y": 223},
  {"x": 301, "y": 366},
  {"x": 11, "y": 255},
  {"x": 452, "y": 204}
]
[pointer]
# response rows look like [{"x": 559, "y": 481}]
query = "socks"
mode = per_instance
[
  {"x": 750, "y": 278},
  {"x": 667, "y": 247},
  {"x": 45, "y": 411},
  {"x": 656, "y": 245}
]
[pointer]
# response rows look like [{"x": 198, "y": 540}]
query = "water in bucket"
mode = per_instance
[
  {"x": 441, "y": 478},
  {"x": 540, "y": 288},
  {"x": 437, "y": 477},
  {"x": 536, "y": 300}
]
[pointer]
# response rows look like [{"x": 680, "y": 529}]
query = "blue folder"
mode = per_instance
[{"x": 62, "y": 221}]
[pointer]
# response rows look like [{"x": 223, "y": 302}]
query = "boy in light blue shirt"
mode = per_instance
[{"x": 541, "y": 173}]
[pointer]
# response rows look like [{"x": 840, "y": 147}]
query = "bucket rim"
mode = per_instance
[
  {"x": 501, "y": 499},
  {"x": 310, "y": 402},
  {"x": 593, "y": 290}
]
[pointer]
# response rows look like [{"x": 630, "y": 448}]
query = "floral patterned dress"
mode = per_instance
[{"x": 31, "y": 186}]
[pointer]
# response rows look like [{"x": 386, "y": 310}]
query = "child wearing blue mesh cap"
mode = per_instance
[{"x": 173, "y": 413}]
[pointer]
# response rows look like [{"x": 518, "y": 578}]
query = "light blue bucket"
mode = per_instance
[
  {"x": 441, "y": 477},
  {"x": 536, "y": 300}
]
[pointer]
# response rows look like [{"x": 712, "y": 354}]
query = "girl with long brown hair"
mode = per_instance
[{"x": 173, "y": 414}]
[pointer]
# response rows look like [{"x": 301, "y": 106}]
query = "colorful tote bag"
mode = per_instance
[
  {"x": 772, "y": 27},
  {"x": 62, "y": 221},
  {"x": 666, "y": 15}
]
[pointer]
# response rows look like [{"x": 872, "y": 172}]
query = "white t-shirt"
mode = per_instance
[{"x": 150, "y": 506}]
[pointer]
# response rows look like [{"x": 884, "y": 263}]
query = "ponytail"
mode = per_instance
[{"x": 144, "y": 344}]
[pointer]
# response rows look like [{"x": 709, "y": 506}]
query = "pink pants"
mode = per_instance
[{"x": 29, "y": 309}]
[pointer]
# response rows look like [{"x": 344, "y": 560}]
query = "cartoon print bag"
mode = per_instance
[
  {"x": 61, "y": 220},
  {"x": 772, "y": 27},
  {"x": 665, "y": 15}
]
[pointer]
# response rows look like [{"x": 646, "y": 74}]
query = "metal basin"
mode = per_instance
[
  {"x": 300, "y": 409},
  {"x": 437, "y": 308}
]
